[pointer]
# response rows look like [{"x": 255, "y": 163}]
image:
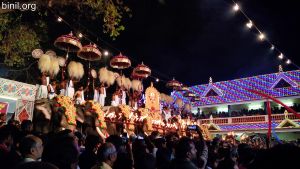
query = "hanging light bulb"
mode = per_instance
[
  {"x": 157, "y": 80},
  {"x": 236, "y": 7},
  {"x": 249, "y": 24},
  {"x": 280, "y": 56},
  {"x": 261, "y": 36},
  {"x": 106, "y": 53},
  {"x": 59, "y": 19},
  {"x": 272, "y": 47},
  {"x": 288, "y": 61}
]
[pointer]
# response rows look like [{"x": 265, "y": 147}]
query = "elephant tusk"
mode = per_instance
[
  {"x": 100, "y": 133},
  {"x": 44, "y": 111}
]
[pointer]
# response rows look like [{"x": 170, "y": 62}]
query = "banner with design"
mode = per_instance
[{"x": 3, "y": 107}]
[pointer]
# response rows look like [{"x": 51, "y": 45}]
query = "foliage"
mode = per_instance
[
  {"x": 17, "y": 41},
  {"x": 23, "y": 31}
]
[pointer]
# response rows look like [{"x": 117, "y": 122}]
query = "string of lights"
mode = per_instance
[
  {"x": 236, "y": 7},
  {"x": 261, "y": 36}
]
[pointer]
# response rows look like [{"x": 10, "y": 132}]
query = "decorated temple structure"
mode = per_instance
[{"x": 234, "y": 105}]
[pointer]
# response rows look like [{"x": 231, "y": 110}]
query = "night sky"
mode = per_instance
[{"x": 195, "y": 39}]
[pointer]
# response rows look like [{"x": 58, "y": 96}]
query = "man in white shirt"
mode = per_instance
[
  {"x": 96, "y": 94},
  {"x": 102, "y": 94},
  {"x": 70, "y": 89},
  {"x": 42, "y": 92}
]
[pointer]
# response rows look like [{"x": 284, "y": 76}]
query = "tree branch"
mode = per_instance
[{"x": 24, "y": 69}]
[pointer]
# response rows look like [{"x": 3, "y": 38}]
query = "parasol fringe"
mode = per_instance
[
  {"x": 111, "y": 78},
  {"x": 44, "y": 63},
  {"x": 136, "y": 85},
  {"x": 103, "y": 75},
  {"x": 54, "y": 66}
]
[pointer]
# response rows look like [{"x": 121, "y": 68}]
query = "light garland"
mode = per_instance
[{"x": 261, "y": 36}]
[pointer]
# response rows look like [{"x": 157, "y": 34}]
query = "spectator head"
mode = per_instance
[
  {"x": 6, "y": 137},
  {"x": 62, "y": 150},
  {"x": 107, "y": 153},
  {"x": 185, "y": 149},
  {"x": 116, "y": 141},
  {"x": 31, "y": 147},
  {"x": 26, "y": 126},
  {"x": 92, "y": 143}
]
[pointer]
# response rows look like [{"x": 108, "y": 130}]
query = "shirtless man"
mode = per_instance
[
  {"x": 42, "y": 91},
  {"x": 62, "y": 90},
  {"x": 79, "y": 95},
  {"x": 116, "y": 98},
  {"x": 135, "y": 99}
]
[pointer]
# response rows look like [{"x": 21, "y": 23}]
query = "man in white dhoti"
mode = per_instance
[
  {"x": 123, "y": 98},
  {"x": 114, "y": 100},
  {"x": 70, "y": 89},
  {"x": 52, "y": 90},
  {"x": 62, "y": 87},
  {"x": 96, "y": 95},
  {"x": 102, "y": 95},
  {"x": 42, "y": 92}
]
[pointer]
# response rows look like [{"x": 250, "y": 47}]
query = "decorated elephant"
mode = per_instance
[
  {"x": 55, "y": 114},
  {"x": 93, "y": 119}
]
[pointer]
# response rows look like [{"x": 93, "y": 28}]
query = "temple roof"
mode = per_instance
[{"x": 278, "y": 85}]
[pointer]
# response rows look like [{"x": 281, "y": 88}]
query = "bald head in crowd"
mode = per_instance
[{"x": 31, "y": 148}]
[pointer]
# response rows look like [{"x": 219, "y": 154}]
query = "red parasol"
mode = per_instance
[
  {"x": 68, "y": 43},
  {"x": 182, "y": 88},
  {"x": 89, "y": 52},
  {"x": 120, "y": 62},
  {"x": 136, "y": 76},
  {"x": 173, "y": 84},
  {"x": 141, "y": 71}
]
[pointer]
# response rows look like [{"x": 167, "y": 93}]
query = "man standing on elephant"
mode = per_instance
[
  {"x": 42, "y": 91},
  {"x": 96, "y": 94},
  {"x": 52, "y": 90},
  {"x": 79, "y": 95},
  {"x": 123, "y": 95},
  {"x": 70, "y": 89},
  {"x": 102, "y": 94}
]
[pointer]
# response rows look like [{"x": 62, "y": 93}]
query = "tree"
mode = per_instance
[{"x": 23, "y": 31}]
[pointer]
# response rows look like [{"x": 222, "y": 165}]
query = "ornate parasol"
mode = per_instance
[
  {"x": 182, "y": 88},
  {"x": 173, "y": 84},
  {"x": 68, "y": 43},
  {"x": 120, "y": 62},
  {"x": 141, "y": 71},
  {"x": 89, "y": 52},
  {"x": 136, "y": 76}
]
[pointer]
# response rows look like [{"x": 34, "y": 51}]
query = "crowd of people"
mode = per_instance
[{"x": 22, "y": 148}]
